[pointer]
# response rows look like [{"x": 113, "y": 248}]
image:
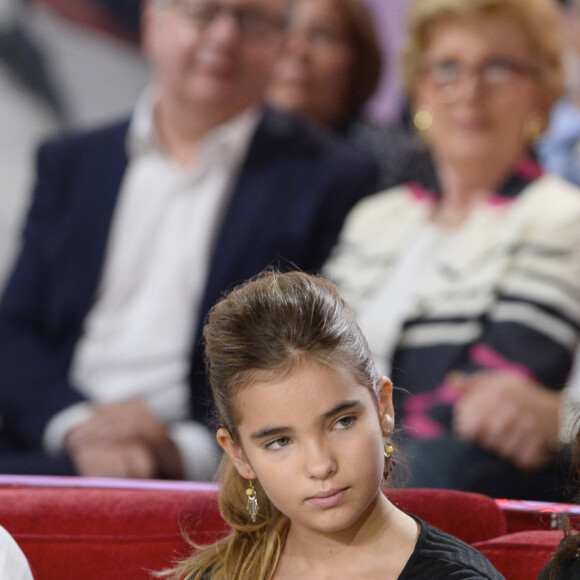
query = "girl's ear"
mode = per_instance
[
  {"x": 235, "y": 453},
  {"x": 386, "y": 410}
]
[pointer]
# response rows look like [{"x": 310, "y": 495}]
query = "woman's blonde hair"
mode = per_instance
[
  {"x": 538, "y": 19},
  {"x": 267, "y": 327}
]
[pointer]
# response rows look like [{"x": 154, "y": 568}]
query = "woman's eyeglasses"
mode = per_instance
[{"x": 494, "y": 74}]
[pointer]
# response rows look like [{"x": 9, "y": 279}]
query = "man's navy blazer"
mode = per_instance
[{"x": 293, "y": 192}]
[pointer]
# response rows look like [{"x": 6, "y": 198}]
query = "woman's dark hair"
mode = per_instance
[{"x": 367, "y": 63}]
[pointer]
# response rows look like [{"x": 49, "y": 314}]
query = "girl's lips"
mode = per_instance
[{"x": 328, "y": 499}]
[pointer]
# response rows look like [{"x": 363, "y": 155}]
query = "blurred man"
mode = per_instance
[{"x": 134, "y": 232}]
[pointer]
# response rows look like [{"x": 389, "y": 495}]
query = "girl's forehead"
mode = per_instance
[{"x": 302, "y": 395}]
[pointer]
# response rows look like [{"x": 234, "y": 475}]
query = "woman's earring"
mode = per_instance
[
  {"x": 422, "y": 119},
  {"x": 533, "y": 128},
  {"x": 252, "y": 505}
]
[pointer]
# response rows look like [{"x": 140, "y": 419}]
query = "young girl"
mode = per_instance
[{"x": 305, "y": 426}]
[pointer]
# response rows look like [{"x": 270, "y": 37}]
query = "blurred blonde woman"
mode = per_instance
[{"x": 469, "y": 289}]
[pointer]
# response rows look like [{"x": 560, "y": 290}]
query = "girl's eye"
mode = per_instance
[
  {"x": 279, "y": 443},
  {"x": 344, "y": 422}
]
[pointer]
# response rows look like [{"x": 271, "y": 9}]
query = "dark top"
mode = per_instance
[
  {"x": 401, "y": 155},
  {"x": 568, "y": 569},
  {"x": 441, "y": 556}
]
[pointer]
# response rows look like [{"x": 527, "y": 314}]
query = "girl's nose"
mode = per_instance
[{"x": 320, "y": 462}]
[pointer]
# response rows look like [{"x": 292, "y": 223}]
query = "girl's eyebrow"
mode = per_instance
[
  {"x": 341, "y": 407},
  {"x": 267, "y": 432}
]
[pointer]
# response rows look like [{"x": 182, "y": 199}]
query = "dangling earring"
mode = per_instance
[
  {"x": 422, "y": 119},
  {"x": 533, "y": 128},
  {"x": 252, "y": 505},
  {"x": 388, "y": 453}
]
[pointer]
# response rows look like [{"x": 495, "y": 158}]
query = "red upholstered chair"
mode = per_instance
[
  {"x": 103, "y": 533},
  {"x": 521, "y": 555},
  {"x": 77, "y": 528},
  {"x": 469, "y": 516},
  {"x": 524, "y": 515}
]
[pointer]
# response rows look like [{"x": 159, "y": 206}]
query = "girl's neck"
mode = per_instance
[{"x": 381, "y": 541}]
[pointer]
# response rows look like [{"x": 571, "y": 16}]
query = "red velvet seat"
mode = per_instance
[
  {"x": 537, "y": 515},
  {"x": 77, "y": 528},
  {"x": 521, "y": 555},
  {"x": 469, "y": 516}
]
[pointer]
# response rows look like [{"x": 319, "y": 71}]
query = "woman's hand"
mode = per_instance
[
  {"x": 125, "y": 459},
  {"x": 135, "y": 438},
  {"x": 509, "y": 414}
]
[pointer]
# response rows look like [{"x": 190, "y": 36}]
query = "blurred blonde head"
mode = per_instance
[{"x": 538, "y": 20}]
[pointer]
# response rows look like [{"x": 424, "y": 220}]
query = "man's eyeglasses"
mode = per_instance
[
  {"x": 253, "y": 22},
  {"x": 496, "y": 73}
]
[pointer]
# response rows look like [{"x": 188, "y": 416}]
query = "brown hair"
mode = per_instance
[
  {"x": 366, "y": 50},
  {"x": 268, "y": 326},
  {"x": 539, "y": 20}
]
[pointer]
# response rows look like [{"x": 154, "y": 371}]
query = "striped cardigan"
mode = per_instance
[{"x": 505, "y": 293}]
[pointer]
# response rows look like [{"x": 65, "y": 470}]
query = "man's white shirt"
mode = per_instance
[{"x": 137, "y": 339}]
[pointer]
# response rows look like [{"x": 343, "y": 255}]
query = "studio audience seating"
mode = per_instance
[{"x": 107, "y": 529}]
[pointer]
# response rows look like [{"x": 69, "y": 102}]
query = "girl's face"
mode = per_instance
[
  {"x": 314, "y": 442},
  {"x": 479, "y": 83},
  {"x": 313, "y": 76}
]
